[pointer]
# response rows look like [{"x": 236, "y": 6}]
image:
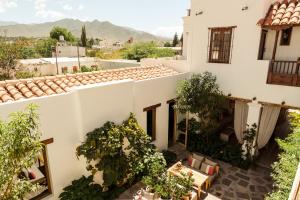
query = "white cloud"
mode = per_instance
[
  {"x": 80, "y": 7},
  {"x": 42, "y": 10},
  {"x": 6, "y": 4},
  {"x": 168, "y": 31},
  {"x": 67, "y": 7}
]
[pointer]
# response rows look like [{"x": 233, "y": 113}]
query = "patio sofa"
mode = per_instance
[{"x": 203, "y": 165}]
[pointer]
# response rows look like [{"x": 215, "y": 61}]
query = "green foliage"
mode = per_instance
[
  {"x": 213, "y": 146},
  {"x": 43, "y": 47},
  {"x": 24, "y": 74},
  {"x": 249, "y": 135},
  {"x": 106, "y": 145},
  {"x": 175, "y": 40},
  {"x": 19, "y": 148},
  {"x": 169, "y": 156},
  {"x": 82, "y": 189},
  {"x": 284, "y": 170},
  {"x": 139, "y": 51},
  {"x": 168, "y": 44},
  {"x": 9, "y": 53},
  {"x": 58, "y": 31},
  {"x": 85, "y": 189},
  {"x": 201, "y": 95},
  {"x": 106, "y": 54},
  {"x": 85, "y": 69},
  {"x": 83, "y": 37}
]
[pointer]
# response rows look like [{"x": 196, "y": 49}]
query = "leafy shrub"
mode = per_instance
[
  {"x": 82, "y": 189},
  {"x": 169, "y": 156},
  {"x": 105, "y": 144},
  {"x": 284, "y": 170},
  {"x": 24, "y": 74},
  {"x": 4, "y": 77},
  {"x": 85, "y": 69},
  {"x": 139, "y": 51},
  {"x": 85, "y": 189},
  {"x": 210, "y": 144}
]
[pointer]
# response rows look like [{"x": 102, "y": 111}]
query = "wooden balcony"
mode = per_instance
[{"x": 284, "y": 73}]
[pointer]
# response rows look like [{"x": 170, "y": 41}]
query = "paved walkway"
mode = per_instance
[{"x": 233, "y": 183}]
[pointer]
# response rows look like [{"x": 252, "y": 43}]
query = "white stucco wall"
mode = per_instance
[
  {"x": 290, "y": 52},
  {"x": 246, "y": 76},
  {"x": 47, "y": 66},
  {"x": 68, "y": 117}
]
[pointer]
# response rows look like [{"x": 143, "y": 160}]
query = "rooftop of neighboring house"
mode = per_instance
[{"x": 14, "y": 90}]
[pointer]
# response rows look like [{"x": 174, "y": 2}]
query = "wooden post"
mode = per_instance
[
  {"x": 186, "y": 129},
  {"x": 275, "y": 45}
]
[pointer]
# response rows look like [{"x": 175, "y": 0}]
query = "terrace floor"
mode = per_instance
[{"x": 233, "y": 183}]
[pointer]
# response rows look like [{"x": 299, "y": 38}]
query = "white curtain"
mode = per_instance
[
  {"x": 267, "y": 124},
  {"x": 240, "y": 119}
]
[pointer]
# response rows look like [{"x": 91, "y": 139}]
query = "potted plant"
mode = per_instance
[{"x": 183, "y": 186}]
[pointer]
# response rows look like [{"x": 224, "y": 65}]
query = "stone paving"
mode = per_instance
[{"x": 233, "y": 183}]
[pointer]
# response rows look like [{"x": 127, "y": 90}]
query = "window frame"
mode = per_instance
[
  {"x": 282, "y": 43},
  {"x": 49, "y": 191},
  {"x": 153, "y": 119},
  {"x": 223, "y": 47}
]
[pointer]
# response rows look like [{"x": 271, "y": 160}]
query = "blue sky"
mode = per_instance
[{"x": 161, "y": 17}]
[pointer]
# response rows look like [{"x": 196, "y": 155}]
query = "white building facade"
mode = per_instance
[
  {"x": 225, "y": 39},
  {"x": 70, "y": 106}
]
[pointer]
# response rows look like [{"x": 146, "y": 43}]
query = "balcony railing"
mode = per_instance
[{"x": 284, "y": 73}]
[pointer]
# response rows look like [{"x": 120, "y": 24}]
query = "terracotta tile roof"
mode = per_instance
[
  {"x": 282, "y": 13},
  {"x": 14, "y": 90}
]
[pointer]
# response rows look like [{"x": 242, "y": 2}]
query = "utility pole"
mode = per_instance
[
  {"x": 78, "y": 57},
  {"x": 56, "y": 59}
]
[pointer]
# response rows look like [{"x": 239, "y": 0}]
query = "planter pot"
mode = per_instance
[
  {"x": 148, "y": 194},
  {"x": 185, "y": 198}
]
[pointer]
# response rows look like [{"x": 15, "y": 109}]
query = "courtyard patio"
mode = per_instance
[{"x": 232, "y": 182}]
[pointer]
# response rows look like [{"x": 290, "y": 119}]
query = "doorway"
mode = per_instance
[
  {"x": 262, "y": 45},
  {"x": 172, "y": 118}
]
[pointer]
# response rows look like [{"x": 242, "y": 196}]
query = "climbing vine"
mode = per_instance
[{"x": 117, "y": 150}]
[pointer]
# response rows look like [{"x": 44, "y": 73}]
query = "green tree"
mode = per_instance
[
  {"x": 168, "y": 44},
  {"x": 200, "y": 95},
  {"x": 83, "y": 37},
  {"x": 9, "y": 54},
  {"x": 142, "y": 50},
  {"x": 58, "y": 31},
  {"x": 284, "y": 170},
  {"x": 175, "y": 40},
  {"x": 19, "y": 147},
  {"x": 43, "y": 47}
]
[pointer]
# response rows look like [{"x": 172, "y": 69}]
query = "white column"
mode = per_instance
[{"x": 253, "y": 113}]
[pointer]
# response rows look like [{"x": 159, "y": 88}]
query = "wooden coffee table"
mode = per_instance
[{"x": 200, "y": 180}]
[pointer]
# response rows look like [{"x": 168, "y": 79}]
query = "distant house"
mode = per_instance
[{"x": 63, "y": 49}]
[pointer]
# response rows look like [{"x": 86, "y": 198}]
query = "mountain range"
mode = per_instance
[{"x": 95, "y": 29}]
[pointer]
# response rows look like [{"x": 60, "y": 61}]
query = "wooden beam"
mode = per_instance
[
  {"x": 275, "y": 45},
  {"x": 239, "y": 99},
  {"x": 152, "y": 107},
  {"x": 171, "y": 101},
  {"x": 48, "y": 141},
  {"x": 279, "y": 105}
]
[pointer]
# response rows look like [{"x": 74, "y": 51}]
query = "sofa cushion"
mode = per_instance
[
  {"x": 198, "y": 157},
  {"x": 196, "y": 163},
  {"x": 212, "y": 163},
  {"x": 210, "y": 170},
  {"x": 190, "y": 160},
  {"x": 203, "y": 167}
]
